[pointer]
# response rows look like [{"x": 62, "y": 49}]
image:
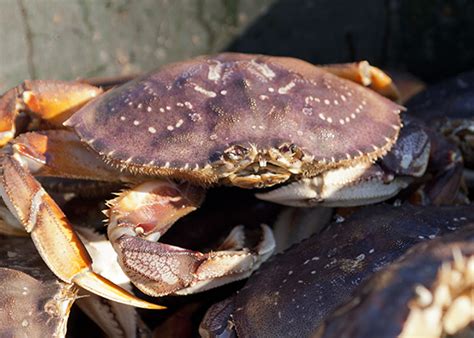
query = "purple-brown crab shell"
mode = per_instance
[{"x": 185, "y": 115}]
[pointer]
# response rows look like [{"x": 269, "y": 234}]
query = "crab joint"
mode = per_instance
[{"x": 151, "y": 208}]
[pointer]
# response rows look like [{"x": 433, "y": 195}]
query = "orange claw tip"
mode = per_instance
[{"x": 101, "y": 286}]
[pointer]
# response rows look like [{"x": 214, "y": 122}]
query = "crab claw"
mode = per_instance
[
  {"x": 364, "y": 183},
  {"x": 139, "y": 217},
  {"x": 53, "y": 236},
  {"x": 53, "y": 101}
]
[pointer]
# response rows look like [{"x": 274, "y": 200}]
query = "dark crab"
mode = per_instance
[
  {"x": 291, "y": 294},
  {"x": 33, "y": 302},
  {"x": 249, "y": 121},
  {"x": 428, "y": 292},
  {"x": 449, "y": 108},
  {"x": 36, "y": 304}
]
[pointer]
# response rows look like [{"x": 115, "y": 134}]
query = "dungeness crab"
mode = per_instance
[{"x": 249, "y": 121}]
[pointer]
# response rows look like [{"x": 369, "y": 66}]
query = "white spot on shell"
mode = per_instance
[
  {"x": 322, "y": 117},
  {"x": 122, "y": 118},
  {"x": 179, "y": 123},
  {"x": 286, "y": 89},
  {"x": 308, "y": 111},
  {"x": 136, "y": 123},
  {"x": 271, "y": 90},
  {"x": 188, "y": 105},
  {"x": 168, "y": 108},
  {"x": 148, "y": 109},
  {"x": 195, "y": 117},
  {"x": 341, "y": 121},
  {"x": 329, "y": 120},
  {"x": 223, "y": 92},
  {"x": 206, "y": 92},
  {"x": 152, "y": 130},
  {"x": 263, "y": 69},
  {"x": 263, "y": 97},
  {"x": 343, "y": 98},
  {"x": 215, "y": 71},
  {"x": 162, "y": 110},
  {"x": 170, "y": 128},
  {"x": 327, "y": 102},
  {"x": 213, "y": 137}
]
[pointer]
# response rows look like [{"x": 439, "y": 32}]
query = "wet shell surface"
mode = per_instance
[{"x": 185, "y": 115}]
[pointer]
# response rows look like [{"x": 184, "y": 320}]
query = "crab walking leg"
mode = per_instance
[
  {"x": 140, "y": 216},
  {"x": 52, "y": 234},
  {"x": 52, "y": 101},
  {"x": 60, "y": 153},
  {"x": 365, "y": 74}
]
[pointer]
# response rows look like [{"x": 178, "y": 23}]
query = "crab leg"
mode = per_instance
[
  {"x": 53, "y": 235},
  {"x": 51, "y": 101},
  {"x": 140, "y": 216},
  {"x": 365, "y": 74},
  {"x": 60, "y": 153}
]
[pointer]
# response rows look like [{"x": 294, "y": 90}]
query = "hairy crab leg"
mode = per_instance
[
  {"x": 365, "y": 74},
  {"x": 51, "y": 101},
  {"x": 53, "y": 235},
  {"x": 140, "y": 216}
]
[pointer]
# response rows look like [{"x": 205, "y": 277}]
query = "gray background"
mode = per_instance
[{"x": 69, "y": 39}]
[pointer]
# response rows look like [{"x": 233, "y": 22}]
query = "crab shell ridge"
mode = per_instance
[{"x": 214, "y": 116}]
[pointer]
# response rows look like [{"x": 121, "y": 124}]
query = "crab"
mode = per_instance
[
  {"x": 293, "y": 293},
  {"x": 433, "y": 287},
  {"x": 448, "y": 107},
  {"x": 249, "y": 121}
]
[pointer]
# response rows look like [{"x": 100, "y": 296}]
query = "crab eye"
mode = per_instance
[
  {"x": 291, "y": 150},
  {"x": 236, "y": 152},
  {"x": 285, "y": 148}
]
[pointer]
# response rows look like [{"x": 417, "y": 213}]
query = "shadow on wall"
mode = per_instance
[{"x": 432, "y": 39}]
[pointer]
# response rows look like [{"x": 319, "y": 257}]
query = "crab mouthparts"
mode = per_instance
[
  {"x": 249, "y": 167},
  {"x": 257, "y": 180}
]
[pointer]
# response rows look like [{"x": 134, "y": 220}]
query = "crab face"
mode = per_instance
[{"x": 244, "y": 120}]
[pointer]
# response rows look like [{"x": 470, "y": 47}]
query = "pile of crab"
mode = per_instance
[{"x": 294, "y": 157}]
